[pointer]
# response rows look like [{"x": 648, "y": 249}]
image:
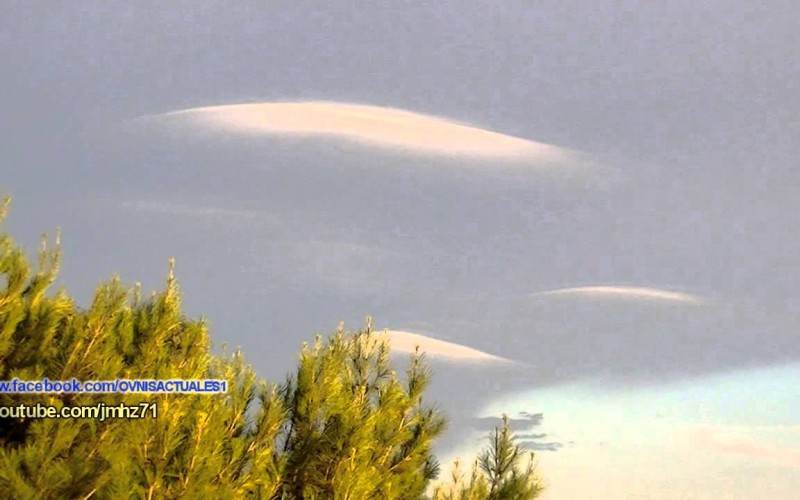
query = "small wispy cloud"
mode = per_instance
[
  {"x": 711, "y": 439},
  {"x": 385, "y": 127},
  {"x": 177, "y": 209},
  {"x": 348, "y": 267},
  {"x": 401, "y": 341},
  {"x": 523, "y": 419},
  {"x": 539, "y": 445},
  {"x": 530, "y": 436},
  {"x": 624, "y": 292}
]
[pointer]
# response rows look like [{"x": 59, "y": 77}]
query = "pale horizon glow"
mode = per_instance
[
  {"x": 625, "y": 292},
  {"x": 407, "y": 342},
  {"x": 379, "y": 126},
  {"x": 710, "y": 439},
  {"x": 668, "y": 438}
]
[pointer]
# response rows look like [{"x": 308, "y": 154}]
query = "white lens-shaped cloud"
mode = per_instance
[
  {"x": 400, "y": 341},
  {"x": 624, "y": 292},
  {"x": 372, "y": 125}
]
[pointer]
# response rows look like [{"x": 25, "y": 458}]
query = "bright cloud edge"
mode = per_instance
[
  {"x": 629, "y": 292},
  {"x": 439, "y": 349}
]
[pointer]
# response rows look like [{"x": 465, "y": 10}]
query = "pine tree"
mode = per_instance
[
  {"x": 501, "y": 472},
  {"x": 345, "y": 425},
  {"x": 198, "y": 447},
  {"x": 355, "y": 430}
]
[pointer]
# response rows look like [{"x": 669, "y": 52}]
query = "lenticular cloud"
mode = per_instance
[
  {"x": 625, "y": 292},
  {"x": 371, "y": 125},
  {"x": 400, "y": 341}
]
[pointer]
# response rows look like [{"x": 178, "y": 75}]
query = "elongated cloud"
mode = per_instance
[
  {"x": 372, "y": 125},
  {"x": 625, "y": 292},
  {"x": 401, "y": 341},
  {"x": 188, "y": 210}
]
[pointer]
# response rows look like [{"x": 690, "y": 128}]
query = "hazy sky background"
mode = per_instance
[{"x": 685, "y": 114}]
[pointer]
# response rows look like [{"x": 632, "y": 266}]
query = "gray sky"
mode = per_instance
[{"x": 687, "y": 111}]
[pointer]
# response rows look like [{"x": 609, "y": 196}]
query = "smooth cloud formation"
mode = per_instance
[
  {"x": 400, "y": 341},
  {"x": 625, "y": 292},
  {"x": 372, "y": 125}
]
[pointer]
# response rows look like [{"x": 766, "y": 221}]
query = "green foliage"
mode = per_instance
[
  {"x": 344, "y": 426},
  {"x": 501, "y": 472},
  {"x": 198, "y": 447},
  {"x": 357, "y": 431}
]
